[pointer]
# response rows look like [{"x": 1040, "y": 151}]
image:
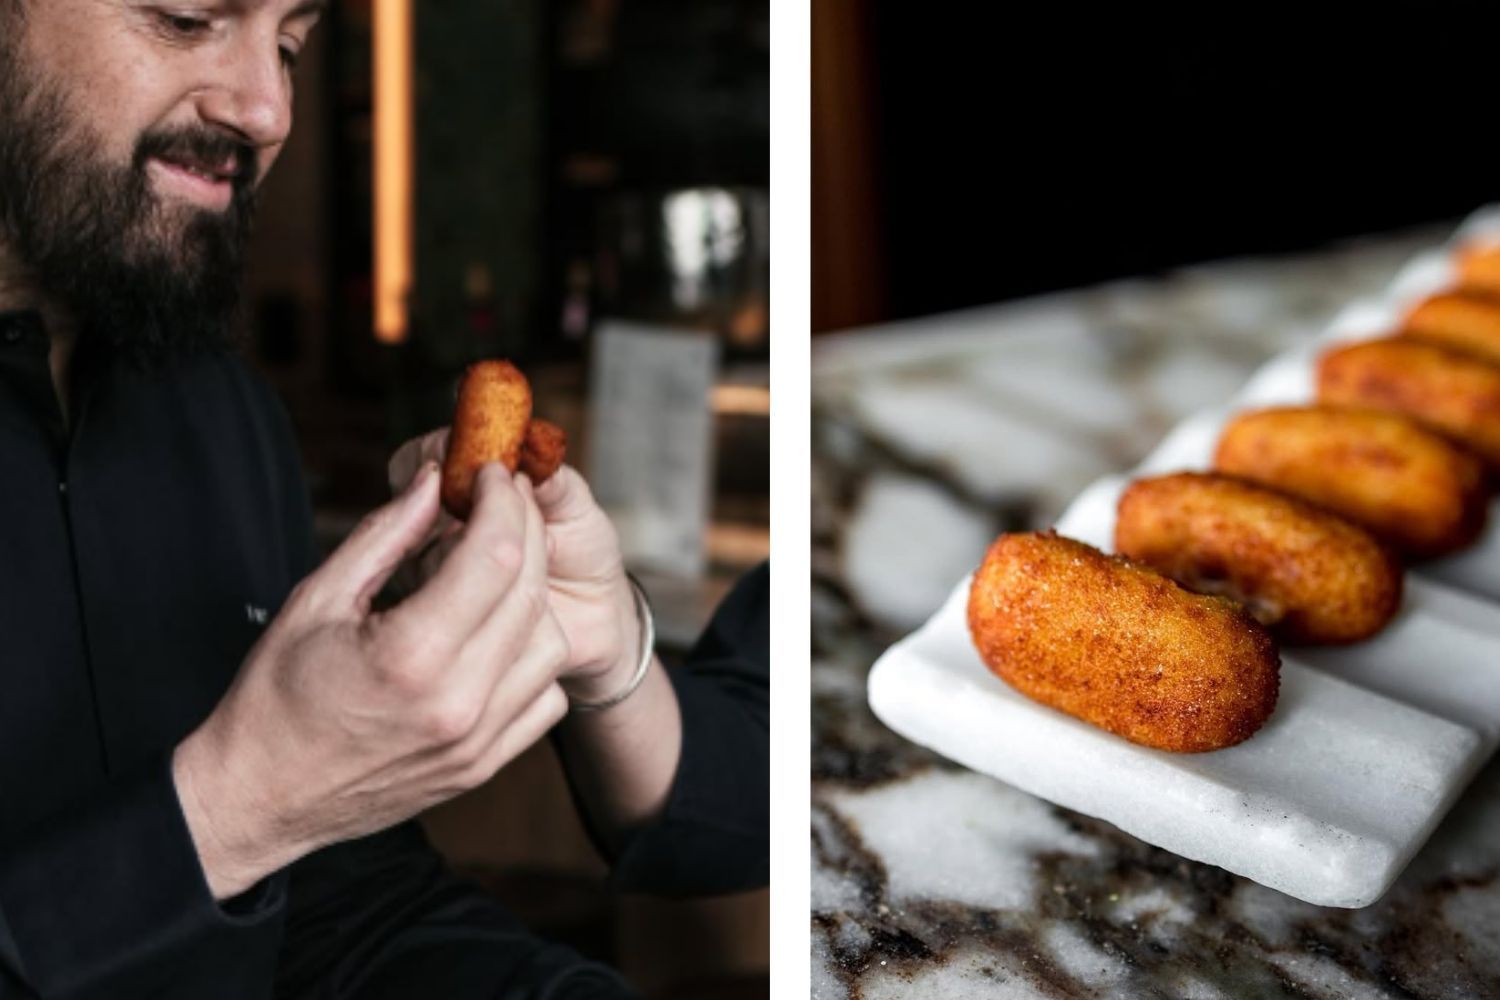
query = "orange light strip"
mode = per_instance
[
  {"x": 742, "y": 400},
  {"x": 393, "y": 168}
]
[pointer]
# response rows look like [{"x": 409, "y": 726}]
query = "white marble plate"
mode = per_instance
[
  {"x": 1369, "y": 744},
  {"x": 1327, "y": 802},
  {"x": 1367, "y": 749}
]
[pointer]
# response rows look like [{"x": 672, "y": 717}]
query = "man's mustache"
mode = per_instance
[{"x": 201, "y": 149}]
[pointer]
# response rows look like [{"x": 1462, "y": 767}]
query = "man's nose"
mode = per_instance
[{"x": 251, "y": 95}]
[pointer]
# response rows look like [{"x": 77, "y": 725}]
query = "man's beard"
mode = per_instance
[{"x": 145, "y": 279}]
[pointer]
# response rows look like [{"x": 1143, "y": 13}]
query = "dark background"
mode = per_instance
[
  {"x": 1010, "y": 155},
  {"x": 532, "y": 118}
]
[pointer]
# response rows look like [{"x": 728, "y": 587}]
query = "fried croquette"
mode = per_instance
[
  {"x": 1408, "y": 486},
  {"x": 1308, "y": 575},
  {"x": 1120, "y": 646},
  {"x": 1479, "y": 268},
  {"x": 1463, "y": 322},
  {"x": 543, "y": 451},
  {"x": 1453, "y": 393},
  {"x": 489, "y": 425}
]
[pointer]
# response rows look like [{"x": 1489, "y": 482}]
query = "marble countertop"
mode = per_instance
[{"x": 928, "y": 880}]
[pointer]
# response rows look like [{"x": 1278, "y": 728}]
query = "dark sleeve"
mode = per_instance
[
  {"x": 109, "y": 900},
  {"x": 713, "y": 835},
  {"x": 293, "y": 501}
]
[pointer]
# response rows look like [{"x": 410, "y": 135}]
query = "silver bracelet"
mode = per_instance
[{"x": 648, "y": 646}]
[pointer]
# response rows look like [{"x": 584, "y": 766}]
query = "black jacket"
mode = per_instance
[{"x": 143, "y": 549}]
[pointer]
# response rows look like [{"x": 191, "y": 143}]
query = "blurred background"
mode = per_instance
[
  {"x": 964, "y": 155},
  {"x": 580, "y": 186}
]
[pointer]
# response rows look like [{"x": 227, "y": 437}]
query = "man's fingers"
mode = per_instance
[
  {"x": 399, "y": 472},
  {"x": 408, "y": 458},
  {"x": 403, "y": 465},
  {"x": 480, "y": 570},
  {"x": 516, "y": 625},
  {"x": 436, "y": 549},
  {"x": 533, "y": 722},
  {"x": 498, "y": 697},
  {"x": 565, "y": 496},
  {"x": 357, "y": 569}
]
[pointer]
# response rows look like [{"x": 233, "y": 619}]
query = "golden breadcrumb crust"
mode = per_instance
[
  {"x": 1455, "y": 394},
  {"x": 1462, "y": 321},
  {"x": 1409, "y": 487},
  {"x": 543, "y": 451},
  {"x": 489, "y": 425},
  {"x": 1121, "y": 646},
  {"x": 1307, "y": 574},
  {"x": 1479, "y": 268}
]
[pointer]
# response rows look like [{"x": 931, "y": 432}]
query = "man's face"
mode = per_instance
[{"x": 132, "y": 138}]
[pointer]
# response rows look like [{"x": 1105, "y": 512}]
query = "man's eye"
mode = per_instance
[
  {"x": 185, "y": 25},
  {"x": 289, "y": 57}
]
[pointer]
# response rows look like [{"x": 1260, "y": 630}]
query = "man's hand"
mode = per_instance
[
  {"x": 590, "y": 593},
  {"x": 342, "y": 721},
  {"x": 588, "y": 590},
  {"x": 623, "y": 761},
  {"x": 442, "y": 534}
]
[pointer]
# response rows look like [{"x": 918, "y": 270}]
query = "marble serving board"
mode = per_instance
[
  {"x": 1326, "y": 803},
  {"x": 1367, "y": 749},
  {"x": 1369, "y": 745}
]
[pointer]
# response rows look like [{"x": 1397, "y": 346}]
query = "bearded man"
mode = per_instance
[{"x": 210, "y": 745}]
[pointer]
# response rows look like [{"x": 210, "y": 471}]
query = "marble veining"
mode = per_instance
[{"x": 931, "y": 881}]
